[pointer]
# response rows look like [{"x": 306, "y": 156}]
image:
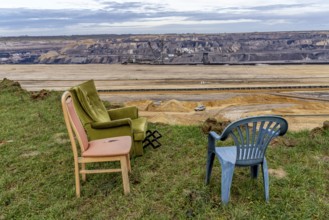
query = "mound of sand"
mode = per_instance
[
  {"x": 142, "y": 105},
  {"x": 168, "y": 106},
  {"x": 233, "y": 108}
]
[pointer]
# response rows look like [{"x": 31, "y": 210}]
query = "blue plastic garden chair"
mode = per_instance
[{"x": 251, "y": 137}]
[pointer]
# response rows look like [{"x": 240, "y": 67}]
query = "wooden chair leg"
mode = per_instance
[
  {"x": 128, "y": 163},
  {"x": 84, "y": 176},
  {"x": 77, "y": 179},
  {"x": 125, "y": 178}
]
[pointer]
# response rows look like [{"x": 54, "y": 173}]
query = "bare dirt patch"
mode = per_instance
[
  {"x": 278, "y": 173},
  {"x": 182, "y": 112},
  {"x": 303, "y": 108}
]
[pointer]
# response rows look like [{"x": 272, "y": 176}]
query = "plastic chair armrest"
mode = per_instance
[{"x": 214, "y": 135}]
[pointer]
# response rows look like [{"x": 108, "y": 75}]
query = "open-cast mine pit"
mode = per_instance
[{"x": 169, "y": 93}]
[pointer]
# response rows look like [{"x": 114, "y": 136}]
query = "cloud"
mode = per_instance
[
  {"x": 122, "y": 7},
  {"x": 110, "y": 17}
]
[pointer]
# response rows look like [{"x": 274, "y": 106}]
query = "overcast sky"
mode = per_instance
[{"x": 76, "y": 17}]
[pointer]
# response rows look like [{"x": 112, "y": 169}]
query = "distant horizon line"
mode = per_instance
[{"x": 132, "y": 34}]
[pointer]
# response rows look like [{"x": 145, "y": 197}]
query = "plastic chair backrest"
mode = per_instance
[
  {"x": 252, "y": 135},
  {"x": 73, "y": 122}
]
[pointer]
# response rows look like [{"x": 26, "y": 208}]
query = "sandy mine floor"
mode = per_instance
[{"x": 303, "y": 108}]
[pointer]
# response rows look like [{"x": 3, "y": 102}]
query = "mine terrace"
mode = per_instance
[{"x": 238, "y": 48}]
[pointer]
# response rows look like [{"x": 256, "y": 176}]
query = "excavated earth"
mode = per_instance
[
  {"x": 299, "y": 113},
  {"x": 169, "y": 94}
]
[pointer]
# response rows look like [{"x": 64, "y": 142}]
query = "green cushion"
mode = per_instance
[
  {"x": 125, "y": 112},
  {"x": 90, "y": 102},
  {"x": 111, "y": 124}
]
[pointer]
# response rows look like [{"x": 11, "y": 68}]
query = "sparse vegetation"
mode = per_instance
[{"x": 37, "y": 182}]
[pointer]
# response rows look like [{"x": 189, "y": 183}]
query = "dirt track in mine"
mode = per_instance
[{"x": 169, "y": 94}]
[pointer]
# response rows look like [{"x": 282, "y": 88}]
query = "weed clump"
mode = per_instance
[
  {"x": 40, "y": 95},
  {"x": 7, "y": 85},
  {"x": 320, "y": 130},
  {"x": 212, "y": 124},
  {"x": 10, "y": 85}
]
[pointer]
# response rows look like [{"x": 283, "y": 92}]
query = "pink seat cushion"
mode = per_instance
[{"x": 108, "y": 147}]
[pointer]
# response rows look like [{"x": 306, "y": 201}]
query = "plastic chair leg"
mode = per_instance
[
  {"x": 254, "y": 171},
  {"x": 210, "y": 162},
  {"x": 266, "y": 180},
  {"x": 227, "y": 176}
]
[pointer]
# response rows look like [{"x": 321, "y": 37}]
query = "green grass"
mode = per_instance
[{"x": 37, "y": 181}]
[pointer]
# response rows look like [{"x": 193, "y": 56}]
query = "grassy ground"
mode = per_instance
[{"x": 37, "y": 182}]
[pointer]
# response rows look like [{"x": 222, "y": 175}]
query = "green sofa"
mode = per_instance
[{"x": 101, "y": 123}]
